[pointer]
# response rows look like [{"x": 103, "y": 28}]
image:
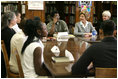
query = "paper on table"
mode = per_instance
[
  {"x": 55, "y": 49},
  {"x": 62, "y": 33},
  {"x": 62, "y": 36},
  {"x": 69, "y": 55}
]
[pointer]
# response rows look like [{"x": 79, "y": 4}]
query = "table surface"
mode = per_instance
[{"x": 75, "y": 45}]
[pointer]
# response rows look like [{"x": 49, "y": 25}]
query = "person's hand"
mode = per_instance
[
  {"x": 88, "y": 34},
  {"x": 90, "y": 66},
  {"x": 55, "y": 20}
]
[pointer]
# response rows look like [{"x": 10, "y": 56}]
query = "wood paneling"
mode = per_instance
[{"x": 31, "y": 13}]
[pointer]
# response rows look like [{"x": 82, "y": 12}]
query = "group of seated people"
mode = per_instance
[{"x": 27, "y": 41}]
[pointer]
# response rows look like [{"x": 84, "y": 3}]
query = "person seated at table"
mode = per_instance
[
  {"x": 103, "y": 54},
  {"x": 84, "y": 27},
  {"x": 17, "y": 42},
  {"x": 56, "y": 25},
  {"x": 16, "y": 27},
  {"x": 32, "y": 51},
  {"x": 7, "y": 22},
  {"x": 106, "y": 15}
]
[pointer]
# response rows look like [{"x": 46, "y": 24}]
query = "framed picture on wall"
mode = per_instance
[{"x": 35, "y": 5}]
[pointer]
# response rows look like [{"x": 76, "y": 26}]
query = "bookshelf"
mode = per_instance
[
  {"x": 105, "y": 5},
  {"x": 49, "y": 8},
  {"x": 8, "y": 6},
  {"x": 66, "y": 9},
  {"x": 69, "y": 12},
  {"x": 11, "y": 6}
]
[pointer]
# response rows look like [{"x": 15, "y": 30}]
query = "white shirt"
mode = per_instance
[
  {"x": 28, "y": 62},
  {"x": 16, "y": 28},
  {"x": 83, "y": 24},
  {"x": 17, "y": 42}
]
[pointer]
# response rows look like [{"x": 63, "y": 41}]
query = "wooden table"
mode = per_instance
[{"x": 75, "y": 45}]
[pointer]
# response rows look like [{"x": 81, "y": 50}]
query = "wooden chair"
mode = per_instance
[
  {"x": 106, "y": 73},
  {"x": 21, "y": 74},
  {"x": 8, "y": 72}
]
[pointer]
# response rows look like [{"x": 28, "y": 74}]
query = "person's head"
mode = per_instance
[
  {"x": 32, "y": 29},
  {"x": 37, "y": 18},
  {"x": 106, "y": 15},
  {"x": 107, "y": 28},
  {"x": 8, "y": 20},
  {"x": 44, "y": 31},
  {"x": 18, "y": 16},
  {"x": 22, "y": 24},
  {"x": 35, "y": 28},
  {"x": 55, "y": 15},
  {"x": 83, "y": 16}
]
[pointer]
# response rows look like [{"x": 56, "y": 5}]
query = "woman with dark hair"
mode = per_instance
[
  {"x": 84, "y": 27},
  {"x": 16, "y": 27},
  {"x": 32, "y": 51},
  {"x": 7, "y": 22}
]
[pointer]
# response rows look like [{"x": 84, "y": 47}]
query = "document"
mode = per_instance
[{"x": 62, "y": 36}]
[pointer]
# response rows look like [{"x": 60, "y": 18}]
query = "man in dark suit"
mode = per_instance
[{"x": 103, "y": 54}]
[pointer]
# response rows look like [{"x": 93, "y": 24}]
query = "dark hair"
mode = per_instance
[
  {"x": 22, "y": 24},
  {"x": 30, "y": 30},
  {"x": 108, "y": 27},
  {"x": 83, "y": 14},
  {"x": 37, "y": 18},
  {"x": 6, "y": 18},
  {"x": 17, "y": 12},
  {"x": 53, "y": 13}
]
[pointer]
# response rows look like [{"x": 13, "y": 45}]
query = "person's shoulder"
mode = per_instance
[
  {"x": 89, "y": 22},
  {"x": 77, "y": 23},
  {"x": 18, "y": 36},
  {"x": 97, "y": 46},
  {"x": 50, "y": 22},
  {"x": 4, "y": 29},
  {"x": 62, "y": 21}
]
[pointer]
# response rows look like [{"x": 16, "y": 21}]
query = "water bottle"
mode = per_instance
[{"x": 94, "y": 33}]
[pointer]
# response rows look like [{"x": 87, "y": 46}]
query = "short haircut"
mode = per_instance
[
  {"x": 6, "y": 19},
  {"x": 106, "y": 13},
  {"x": 85, "y": 13},
  {"x": 108, "y": 27},
  {"x": 53, "y": 13},
  {"x": 37, "y": 18}
]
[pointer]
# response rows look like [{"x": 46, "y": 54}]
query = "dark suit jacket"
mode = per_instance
[
  {"x": 103, "y": 54},
  {"x": 6, "y": 35}
]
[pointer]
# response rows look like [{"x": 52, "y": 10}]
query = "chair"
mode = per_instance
[
  {"x": 106, "y": 73},
  {"x": 21, "y": 74},
  {"x": 8, "y": 72}
]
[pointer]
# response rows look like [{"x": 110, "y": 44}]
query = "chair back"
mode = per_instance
[
  {"x": 8, "y": 72},
  {"x": 4, "y": 51},
  {"x": 21, "y": 74},
  {"x": 106, "y": 73}
]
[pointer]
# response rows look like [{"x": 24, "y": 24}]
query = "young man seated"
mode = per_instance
[{"x": 103, "y": 54}]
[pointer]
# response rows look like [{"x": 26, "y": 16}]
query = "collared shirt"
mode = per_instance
[
  {"x": 84, "y": 26},
  {"x": 17, "y": 42},
  {"x": 60, "y": 26},
  {"x": 28, "y": 59},
  {"x": 80, "y": 29},
  {"x": 16, "y": 28}
]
